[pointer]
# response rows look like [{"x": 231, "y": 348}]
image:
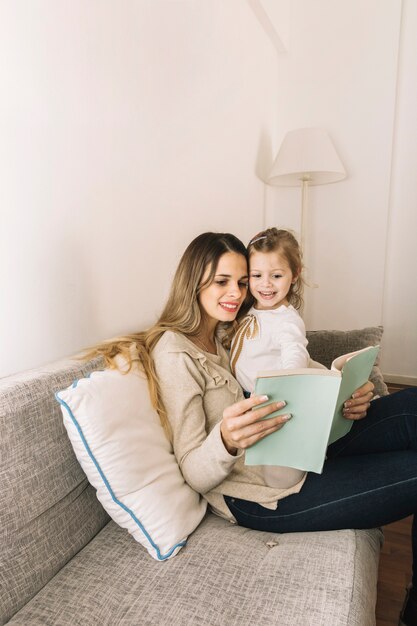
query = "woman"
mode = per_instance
[{"x": 370, "y": 476}]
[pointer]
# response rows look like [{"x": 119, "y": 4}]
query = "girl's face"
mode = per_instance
[
  {"x": 270, "y": 279},
  {"x": 221, "y": 300}
]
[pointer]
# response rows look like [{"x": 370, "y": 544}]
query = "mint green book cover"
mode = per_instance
[{"x": 315, "y": 398}]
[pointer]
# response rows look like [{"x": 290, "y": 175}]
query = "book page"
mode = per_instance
[
  {"x": 340, "y": 361},
  {"x": 301, "y": 442}
]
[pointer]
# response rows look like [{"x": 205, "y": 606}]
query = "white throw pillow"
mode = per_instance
[{"x": 121, "y": 446}]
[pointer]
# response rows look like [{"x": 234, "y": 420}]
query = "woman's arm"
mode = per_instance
[{"x": 206, "y": 459}]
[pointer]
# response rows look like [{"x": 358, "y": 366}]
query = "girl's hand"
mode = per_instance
[
  {"x": 241, "y": 427},
  {"x": 355, "y": 408}
]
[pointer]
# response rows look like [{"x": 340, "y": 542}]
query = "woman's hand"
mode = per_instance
[
  {"x": 241, "y": 426},
  {"x": 356, "y": 407}
]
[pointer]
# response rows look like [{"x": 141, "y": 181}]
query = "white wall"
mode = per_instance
[
  {"x": 340, "y": 72},
  {"x": 128, "y": 128},
  {"x": 400, "y": 292},
  {"x": 125, "y": 130}
]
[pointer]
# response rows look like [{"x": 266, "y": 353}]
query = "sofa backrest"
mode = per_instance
[
  {"x": 48, "y": 511},
  {"x": 326, "y": 345}
]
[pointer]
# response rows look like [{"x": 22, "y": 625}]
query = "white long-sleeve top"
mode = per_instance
[{"x": 271, "y": 340}]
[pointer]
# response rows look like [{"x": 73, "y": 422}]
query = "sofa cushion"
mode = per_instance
[
  {"x": 226, "y": 575},
  {"x": 120, "y": 444},
  {"x": 325, "y": 345}
]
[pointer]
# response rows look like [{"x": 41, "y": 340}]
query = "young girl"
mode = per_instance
[{"x": 272, "y": 334}]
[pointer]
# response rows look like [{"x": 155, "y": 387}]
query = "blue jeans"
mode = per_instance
[{"x": 369, "y": 478}]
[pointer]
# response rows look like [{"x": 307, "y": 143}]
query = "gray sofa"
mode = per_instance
[{"x": 63, "y": 562}]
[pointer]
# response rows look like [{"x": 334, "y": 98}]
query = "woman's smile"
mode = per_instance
[{"x": 230, "y": 306}]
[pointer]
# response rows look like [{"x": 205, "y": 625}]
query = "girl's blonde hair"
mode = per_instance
[{"x": 181, "y": 314}]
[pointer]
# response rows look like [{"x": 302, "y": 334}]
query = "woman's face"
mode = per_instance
[{"x": 221, "y": 300}]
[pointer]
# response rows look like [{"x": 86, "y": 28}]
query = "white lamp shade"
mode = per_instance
[{"x": 306, "y": 154}]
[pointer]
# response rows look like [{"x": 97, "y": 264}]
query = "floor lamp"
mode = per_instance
[{"x": 306, "y": 157}]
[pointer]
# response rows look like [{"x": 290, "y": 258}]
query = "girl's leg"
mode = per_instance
[{"x": 369, "y": 478}]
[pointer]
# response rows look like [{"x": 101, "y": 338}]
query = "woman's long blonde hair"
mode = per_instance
[{"x": 182, "y": 313}]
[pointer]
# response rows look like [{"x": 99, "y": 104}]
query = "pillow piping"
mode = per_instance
[{"x": 161, "y": 557}]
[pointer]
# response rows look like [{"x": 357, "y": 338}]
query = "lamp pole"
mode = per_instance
[{"x": 304, "y": 202}]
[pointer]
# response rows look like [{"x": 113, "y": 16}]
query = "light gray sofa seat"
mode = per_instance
[
  {"x": 63, "y": 563},
  {"x": 226, "y": 575}
]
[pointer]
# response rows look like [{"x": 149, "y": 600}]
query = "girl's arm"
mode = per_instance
[{"x": 293, "y": 342}]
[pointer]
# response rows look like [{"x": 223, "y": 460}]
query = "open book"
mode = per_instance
[{"x": 315, "y": 398}]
